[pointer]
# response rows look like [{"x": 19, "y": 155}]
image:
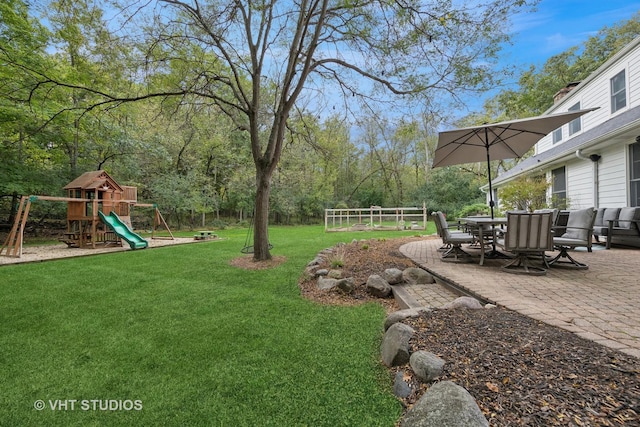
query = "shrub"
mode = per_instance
[
  {"x": 526, "y": 193},
  {"x": 219, "y": 224},
  {"x": 475, "y": 209}
]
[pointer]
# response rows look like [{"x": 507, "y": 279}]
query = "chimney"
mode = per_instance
[{"x": 564, "y": 91}]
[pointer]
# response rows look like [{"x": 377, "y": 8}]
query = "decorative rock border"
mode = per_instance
[{"x": 445, "y": 403}]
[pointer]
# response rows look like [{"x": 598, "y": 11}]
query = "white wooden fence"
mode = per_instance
[{"x": 375, "y": 218}]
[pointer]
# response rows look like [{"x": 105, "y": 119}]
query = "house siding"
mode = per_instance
[
  {"x": 634, "y": 80},
  {"x": 580, "y": 184},
  {"x": 613, "y": 178}
]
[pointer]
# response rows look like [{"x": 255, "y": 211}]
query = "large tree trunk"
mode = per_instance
[{"x": 261, "y": 215}]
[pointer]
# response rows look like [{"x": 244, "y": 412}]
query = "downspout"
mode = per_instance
[{"x": 596, "y": 173}]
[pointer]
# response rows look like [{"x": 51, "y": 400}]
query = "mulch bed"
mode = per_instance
[{"x": 522, "y": 372}]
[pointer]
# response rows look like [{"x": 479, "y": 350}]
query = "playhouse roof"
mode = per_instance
[{"x": 93, "y": 180}]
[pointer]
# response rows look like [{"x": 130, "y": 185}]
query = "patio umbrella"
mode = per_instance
[{"x": 497, "y": 141}]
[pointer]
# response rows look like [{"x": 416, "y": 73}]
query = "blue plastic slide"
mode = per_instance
[{"x": 123, "y": 231}]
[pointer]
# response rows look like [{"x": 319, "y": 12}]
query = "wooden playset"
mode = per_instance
[{"x": 98, "y": 213}]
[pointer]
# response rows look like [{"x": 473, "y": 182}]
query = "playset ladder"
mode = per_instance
[{"x": 13, "y": 243}]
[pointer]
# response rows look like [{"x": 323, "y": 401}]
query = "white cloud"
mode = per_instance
[{"x": 559, "y": 25}]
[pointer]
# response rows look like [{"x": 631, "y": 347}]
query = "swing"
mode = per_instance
[{"x": 248, "y": 243}]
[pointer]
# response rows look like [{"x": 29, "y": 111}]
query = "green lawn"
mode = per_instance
[{"x": 190, "y": 339}]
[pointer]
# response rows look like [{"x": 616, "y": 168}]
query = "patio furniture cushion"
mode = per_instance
[
  {"x": 626, "y": 216},
  {"x": 579, "y": 230},
  {"x": 604, "y": 215},
  {"x": 576, "y": 228}
]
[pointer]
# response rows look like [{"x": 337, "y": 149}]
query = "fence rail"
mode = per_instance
[{"x": 376, "y": 218}]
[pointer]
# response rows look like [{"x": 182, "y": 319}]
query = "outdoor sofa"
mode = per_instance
[{"x": 618, "y": 226}]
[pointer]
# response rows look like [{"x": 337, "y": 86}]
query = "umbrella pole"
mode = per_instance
[
  {"x": 486, "y": 144},
  {"x": 494, "y": 253}
]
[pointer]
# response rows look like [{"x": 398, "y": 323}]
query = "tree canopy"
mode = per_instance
[
  {"x": 202, "y": 88},
  {"x": 252, "y": 68}
]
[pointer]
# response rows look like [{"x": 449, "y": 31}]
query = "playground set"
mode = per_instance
[{"x": 98, "y": 213}]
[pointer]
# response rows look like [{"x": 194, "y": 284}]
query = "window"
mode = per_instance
[
  {"x": 557, "y": 135},
  {"x": 559, "y": 188},
  {"x": 634, "y": 168},
  {"x": 575, "y": 125},
  {"x": 618, "y": 92}
]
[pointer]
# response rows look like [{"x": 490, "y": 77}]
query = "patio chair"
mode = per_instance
[
  {"x": 445, "y": 246},
  {"x": 488, "y": 235},
  {"x": 578, "y": 233},
  {"x": 528, "y": 235},
  {"x": 554, "y": 215},
  {"x": 455, "y": 240}
]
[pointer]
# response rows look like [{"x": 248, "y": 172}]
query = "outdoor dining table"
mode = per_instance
[{"x": 484, "y": 224}]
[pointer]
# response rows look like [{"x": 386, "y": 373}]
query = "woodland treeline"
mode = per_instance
[{"x": 192, "y": 160}]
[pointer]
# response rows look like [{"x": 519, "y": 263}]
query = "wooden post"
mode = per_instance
[
  {"x": 94, "y": 221},
  {"x": 424, "y": 215},
  {"x": 14, "y": 241},
  {"x": 158, "y": 220}
]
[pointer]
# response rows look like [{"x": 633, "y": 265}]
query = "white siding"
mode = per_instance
[
  {"x": 546, "y": 143},
  {"x": 634, "y": 80},
  {"x": 580, "y": 186},
  {"x": 613, "y": 177}
]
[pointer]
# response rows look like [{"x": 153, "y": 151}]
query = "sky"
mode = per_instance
[
  {"x": 557, "y": 25},
  {"x": 552, "y": 28}
]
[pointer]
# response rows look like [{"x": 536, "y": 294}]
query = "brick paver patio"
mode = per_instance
[{"x": 601, "y": 303}]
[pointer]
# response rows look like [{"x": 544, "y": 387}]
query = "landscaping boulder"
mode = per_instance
[
  {"x": 346, "y": 285},
  {"x": 317, "y": 260},
  {"x": 335, "y": 274},
  {"x": 426, "y": 365},
  {"x": 400, "y": 315},
  {"x": 417, "y": 276},
  {"x": 395, "y": 344},
  {"x": 326, "y": 284},
  {"x": 392, "y": 275},
  {"x": 445, "y": 404},
  {"x": 378, "y": 287},
  {"x": 322, "y": 272},
  {"x": 463, "y": 302},
  {"x": 400, "y": 387}
]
